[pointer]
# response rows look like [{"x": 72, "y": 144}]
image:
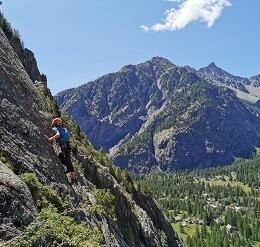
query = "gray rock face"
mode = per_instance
[
  {"x": 201, "y": 134},
  {"x": 23, "y": 122},
  {"x": 30, "y": 65},
  {"x": 140, "y": 222},
  {"x": 159, "y": 115},
  {"x": 22, "y": 118},
  {"x": 255, "y": 80},
  {"x": 16, "y": 203}
]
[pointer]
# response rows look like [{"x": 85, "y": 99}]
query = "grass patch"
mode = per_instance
[
  {"x": 244, "y": 187},
  {"x": 186, "y": 231},
  {"x": 219, "y": 182}
]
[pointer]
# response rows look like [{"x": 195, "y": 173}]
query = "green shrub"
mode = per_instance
[
  {"x": 56, "y": 229},
  {"x": 127, "y": 182},
  {"x": 105, "y": 202},
  {"x": 40, "y": 191},
  {"x": 102, "y": 158},
  {"x": 118, "y": 174},
  {"x": 145, "y": 190}
]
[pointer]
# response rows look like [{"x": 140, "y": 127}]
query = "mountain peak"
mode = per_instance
[
  {"x": 128, "y": 67},
  {"x": 154, "y": 63},
  {"x": 159, "y": 59},
  {"x": 212, "y": 65},
  {"x": 210, "y": 68},
  {"x": 255, "y": 80},
  {"x": 218, "y": 75}
]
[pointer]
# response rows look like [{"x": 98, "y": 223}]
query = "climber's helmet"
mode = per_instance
[{"x": 57, "y": 122}]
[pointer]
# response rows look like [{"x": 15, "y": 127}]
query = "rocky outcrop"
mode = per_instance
[
  {"x": 255, "y": 80},
  {"x": 139, "y": 222},
  {"x": 28, "y": 60},
  {"x": 16, "y": 204},
  {"x": 24, "y": 120},
  {"x": 30, "y": 65},
  {"x": 159, "y": 115}
]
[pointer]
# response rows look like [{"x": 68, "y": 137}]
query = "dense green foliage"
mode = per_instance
[
  {"x": 105, "y": 202},
  {"x": 46, "y": 229},
  {"x": 212, "y": 207}
]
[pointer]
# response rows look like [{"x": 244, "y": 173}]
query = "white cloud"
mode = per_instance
[{"x": 207, "y": 11}]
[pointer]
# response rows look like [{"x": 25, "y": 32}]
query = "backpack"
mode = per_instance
[{"x": 64, "y": 135}]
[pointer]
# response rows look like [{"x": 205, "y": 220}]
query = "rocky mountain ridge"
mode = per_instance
[
  {"x": 255, "y": 80},
  {"x": 246, "y": 89},
  {"x": 139, "y": 114},
  {"x": 219, "y": 76},
  {"x": 38, "y": 206}
]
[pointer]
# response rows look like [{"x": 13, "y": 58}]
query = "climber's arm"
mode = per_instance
[{"x": 54, "y": 137}]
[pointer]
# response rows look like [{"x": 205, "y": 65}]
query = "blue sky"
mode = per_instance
[{"x": 78, "y": 41}]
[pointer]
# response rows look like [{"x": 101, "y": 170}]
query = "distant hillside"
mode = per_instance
[
  {"x": 159, "y": 115},
  {"x": 211, "y": 207}
]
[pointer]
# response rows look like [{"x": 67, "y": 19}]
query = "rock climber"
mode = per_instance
[{"x": 60, "y": 138}]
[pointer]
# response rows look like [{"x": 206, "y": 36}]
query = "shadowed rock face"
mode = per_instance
[
  {"x": 27, "y": 58},
  {"x": 159, "y": 115},
  {"x": 24, "y": 120}
]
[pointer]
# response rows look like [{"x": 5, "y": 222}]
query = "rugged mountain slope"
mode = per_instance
[
  {"x": 245, "y": 89},
  {"x": 217, "y": 75},
  {"x": 255, "y": 80},
  {"x": 37, "y": 205},
  {"x": 157, "y": 114},
  {"x": 203, "y": 126},
  {"x": 116, "y": 105}
]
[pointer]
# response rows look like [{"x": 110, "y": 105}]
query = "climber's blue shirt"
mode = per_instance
[{"x": 64, "y": 134}]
